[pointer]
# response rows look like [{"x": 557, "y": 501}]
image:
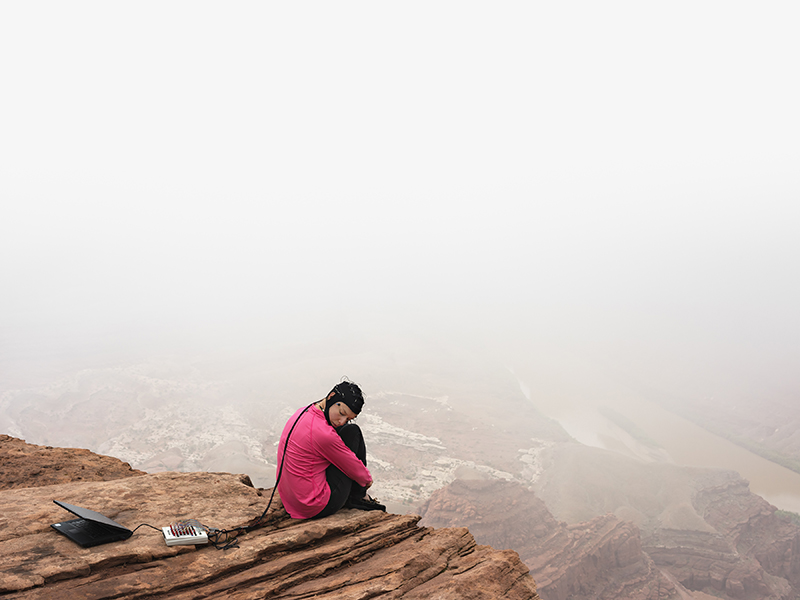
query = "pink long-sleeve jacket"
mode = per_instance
[{"x": 313, "y": 446}]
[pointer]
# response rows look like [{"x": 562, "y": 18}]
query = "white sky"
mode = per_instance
[{"x": 624, "y": 176}]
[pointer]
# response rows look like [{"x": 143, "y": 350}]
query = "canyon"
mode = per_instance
[{"x": 452, "y": 438}]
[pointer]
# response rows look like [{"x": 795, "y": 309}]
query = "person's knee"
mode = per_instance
[{"x": 351, "y": 434}]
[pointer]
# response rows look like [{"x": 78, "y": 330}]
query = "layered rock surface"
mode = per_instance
[
  {"x": 351, "y": 554},
  {"x": 703, "y": 526},
  {"x": 28, "y": 465},
  {"x": 601, "y": 558},
  {"x": 722, "y": 541}
]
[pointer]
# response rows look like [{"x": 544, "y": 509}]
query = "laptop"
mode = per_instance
[{"x": 91, "y": 528}]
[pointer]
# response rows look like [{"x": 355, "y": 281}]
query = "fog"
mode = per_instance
[{"x": 607, "y": 193}]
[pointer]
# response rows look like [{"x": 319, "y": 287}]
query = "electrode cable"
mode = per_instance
[{"x": 228, "y": 538}]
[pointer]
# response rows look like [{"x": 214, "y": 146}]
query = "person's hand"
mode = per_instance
[{"x": 369, "y": 485}]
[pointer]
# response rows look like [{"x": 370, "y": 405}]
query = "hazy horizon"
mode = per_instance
[{"x": 613, "y": 186}]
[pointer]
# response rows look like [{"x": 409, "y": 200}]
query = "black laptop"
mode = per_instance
[{"x": 91, "y": 529}]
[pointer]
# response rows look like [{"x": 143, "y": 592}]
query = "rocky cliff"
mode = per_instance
[
  {"x": 351, "y": 554},
  {"x": 27, "y": 465},
  {"x": 723, "y": 541},
  {"x": 601, "y": 558}
]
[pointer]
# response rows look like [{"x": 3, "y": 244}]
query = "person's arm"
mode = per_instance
[{"x": 334, "y": 449}]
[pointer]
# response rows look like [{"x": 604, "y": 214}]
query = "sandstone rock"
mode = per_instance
[
  {"x": 702, "y": 526},
  {"x": 27, "y": 465},
  {"x": 351, "y": 554},
  {"x": 601, "y": 558},
  {"x": 705, "y": 561},
  {"x": 752, "y": 528},
  {"x": 747, "y": 552}
]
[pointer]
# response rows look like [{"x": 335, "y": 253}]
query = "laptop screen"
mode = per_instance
[{"x": 89, "y": 515}]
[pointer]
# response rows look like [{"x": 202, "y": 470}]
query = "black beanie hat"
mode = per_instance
[{"x": 350, "y": 394}]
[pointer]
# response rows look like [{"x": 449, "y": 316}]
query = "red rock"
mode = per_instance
[
  {"x": 352, "y": 554},
  {"x": 27, "y": 465},
  {"x": 601, "y": 558}
]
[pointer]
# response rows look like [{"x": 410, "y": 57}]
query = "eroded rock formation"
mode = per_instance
[
  {"x": 729, "y": 543},
  {"x": 351, "y": 554},
  {"x": 601, "y": 558},
  {"x": 28, "y": 465}
]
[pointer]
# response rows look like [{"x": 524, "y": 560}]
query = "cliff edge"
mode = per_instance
[{"x": 351, "y": 554}]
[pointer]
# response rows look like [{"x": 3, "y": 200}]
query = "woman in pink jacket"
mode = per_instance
[{"x": 324, "y": 465}]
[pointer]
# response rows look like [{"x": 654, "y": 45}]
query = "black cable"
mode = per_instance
[
  {"x": 146, "y": 525},
  {"x": 215, "y": 536}
]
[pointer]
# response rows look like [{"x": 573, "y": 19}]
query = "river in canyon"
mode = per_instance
[{"x": 684, "y": 442}]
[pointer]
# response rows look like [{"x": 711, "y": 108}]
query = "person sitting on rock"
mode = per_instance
[{"x": 324, "y": 465}]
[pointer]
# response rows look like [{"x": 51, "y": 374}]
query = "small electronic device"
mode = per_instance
[{"x": 184, "y": 534}]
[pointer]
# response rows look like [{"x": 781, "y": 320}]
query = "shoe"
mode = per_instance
[{"x": 364, "y": 504}]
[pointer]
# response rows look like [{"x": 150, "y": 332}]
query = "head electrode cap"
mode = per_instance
[{"x": 349, "y": 394}]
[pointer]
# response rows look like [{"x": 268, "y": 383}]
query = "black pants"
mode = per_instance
[{"x": 342, "y": 487}]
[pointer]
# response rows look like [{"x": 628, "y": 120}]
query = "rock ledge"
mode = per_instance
[{"x": 352, "y": 554}]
